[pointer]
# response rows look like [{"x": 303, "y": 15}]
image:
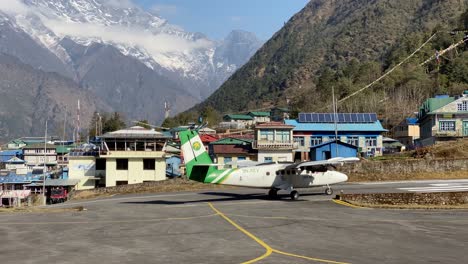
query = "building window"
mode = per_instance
[
  {"x": 149, "y": 164},
  {"x": 122, "y": 164},
  {"x": 283, "y": 135},
  {"x": 227, "y": 159},
  {"x": 268, "y": 159},
  {"x": 315, "y": 141},
  {"x": 300, "y": 141},
  {"x": 447, "y": 126},
  {"x": 267, "y": 135},
  {"x": 241, "y": 158},
  {"x": 353, "y": 141},
  {"x": 100, "y": 164},
  {"x": 371, "y": 142},
  {"x": 463, "y": 106}
]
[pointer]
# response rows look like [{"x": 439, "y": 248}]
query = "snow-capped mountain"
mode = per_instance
[{"x": 190, "y": 60}]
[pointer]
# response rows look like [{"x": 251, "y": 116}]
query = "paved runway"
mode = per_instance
[{"x": 235, "y": 226}]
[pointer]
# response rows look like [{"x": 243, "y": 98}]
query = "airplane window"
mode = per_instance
[{"x": 268, "y": 173}]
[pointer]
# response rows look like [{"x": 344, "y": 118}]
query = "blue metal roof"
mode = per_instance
[
  {"x": 19, "y": 179},
  {"x": 5, "y": 155},
  {"x": 336, "y": 142},
  {"x": 412, "y": 121},
  {"x": 359, "y": 127}
]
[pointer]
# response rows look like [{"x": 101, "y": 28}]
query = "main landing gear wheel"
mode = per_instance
[
  {"x": 294, "y": 195},
  {"x": 329, "y": 191},
  {"x": 273, "y": 193}
]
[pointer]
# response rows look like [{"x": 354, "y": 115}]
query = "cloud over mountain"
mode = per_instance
[{"x": 131, "y": 35}]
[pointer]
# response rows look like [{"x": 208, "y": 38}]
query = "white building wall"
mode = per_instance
[
  {"x": 83, "y": 169},
  {"x": 278, "y": 155}
]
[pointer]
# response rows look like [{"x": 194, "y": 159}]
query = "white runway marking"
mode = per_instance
[
  {"x": 438, "y": 187},
  {"x": 462, "y": 181}
]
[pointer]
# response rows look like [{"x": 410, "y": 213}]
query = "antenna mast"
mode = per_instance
[
  {"x": 167, "y": 109},
  {"x": 77, "y": 125}
]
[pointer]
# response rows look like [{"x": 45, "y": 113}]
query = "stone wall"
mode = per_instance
[
  {"x": 443, "y": 198},
  {"x": 401, "y": 169}
]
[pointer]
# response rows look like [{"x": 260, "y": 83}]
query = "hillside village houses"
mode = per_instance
[
  {"x": 362, "y": 130},
  {"x": 127, "y": 156},
  {"x": 137, "y": 155},
  {"x": 274, "y": 142},
  {"x": 443, "y": 118},
  {"x": 232, "y": 150},
  {"x": 407, "y": 132},
  {"x": 35, "y": 154}
]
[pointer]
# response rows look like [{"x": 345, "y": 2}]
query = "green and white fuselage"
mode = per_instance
[{"x": 274, "y": 176}]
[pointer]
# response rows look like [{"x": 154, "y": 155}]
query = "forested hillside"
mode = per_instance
[{"x": 347, "y": 44}]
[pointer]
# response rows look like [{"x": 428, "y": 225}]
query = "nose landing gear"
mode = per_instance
[
  {"x": 294, "y": 195},
  {"x": 329, "y": 190}
]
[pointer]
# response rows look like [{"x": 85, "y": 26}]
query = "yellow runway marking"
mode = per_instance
[
  {"x": 109, "y": 221},
  {"x": 268, "y": 249},
  {"x": 347, "y": 204}
]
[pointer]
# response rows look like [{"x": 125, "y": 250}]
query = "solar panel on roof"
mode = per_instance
[
  {"x": 360, "y": 118},
  {"x": 341, "y": 118},
  {"x": 313, "y": 117},
  {"x": 302, "y": 118},
  {"x": 365, "y": 118},
  {"x": 321, "y": 118}
]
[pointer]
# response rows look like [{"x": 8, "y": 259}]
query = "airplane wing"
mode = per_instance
[
  {"x": 333, "y": 161},
  {"x": 243, "y": 163}
]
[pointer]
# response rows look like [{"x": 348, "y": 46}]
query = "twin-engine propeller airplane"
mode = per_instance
[{"x": 274, "y": 176}]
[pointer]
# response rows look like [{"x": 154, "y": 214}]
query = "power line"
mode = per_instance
[{"x": 387, "y": 73}]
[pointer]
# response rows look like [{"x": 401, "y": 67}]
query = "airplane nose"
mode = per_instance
[
  {"x": 343, "y": 177},
  {"x": 339, "y": 177}
]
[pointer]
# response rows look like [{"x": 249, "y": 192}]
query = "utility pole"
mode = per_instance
[
  {"x": 335, "y": 119},
  {"x": 45, "y": 167}
]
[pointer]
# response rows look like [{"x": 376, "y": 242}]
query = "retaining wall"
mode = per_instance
[
  {"x": 401, "y": 169},
  {"x": 442, "y": 198}
]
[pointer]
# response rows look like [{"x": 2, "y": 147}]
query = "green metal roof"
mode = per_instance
[
  {"x": 231, "y": 141},
  {"x": 238, "y": 117},
  {"x": 63, "y": 149},
  {"x": 432, "y": 104},
  {"x": 39, "y": 146},
  {"x": 259, "y": 114}
]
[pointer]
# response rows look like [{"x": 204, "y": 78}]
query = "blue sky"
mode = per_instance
[{"x": 216, "y": 18}]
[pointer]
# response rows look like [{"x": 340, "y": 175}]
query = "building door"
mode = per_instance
[
  {"x": 465, "y": 128},
  {"x": 326, "y": 155}
]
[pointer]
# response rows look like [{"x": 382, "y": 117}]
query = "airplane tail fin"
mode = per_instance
[{"x": 196, "y": 158}]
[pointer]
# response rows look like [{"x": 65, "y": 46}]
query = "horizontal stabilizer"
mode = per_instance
[{"x": 210, "y": 165}]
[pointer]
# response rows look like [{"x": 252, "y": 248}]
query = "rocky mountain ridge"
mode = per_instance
[{"x": 132, "y": 60}]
